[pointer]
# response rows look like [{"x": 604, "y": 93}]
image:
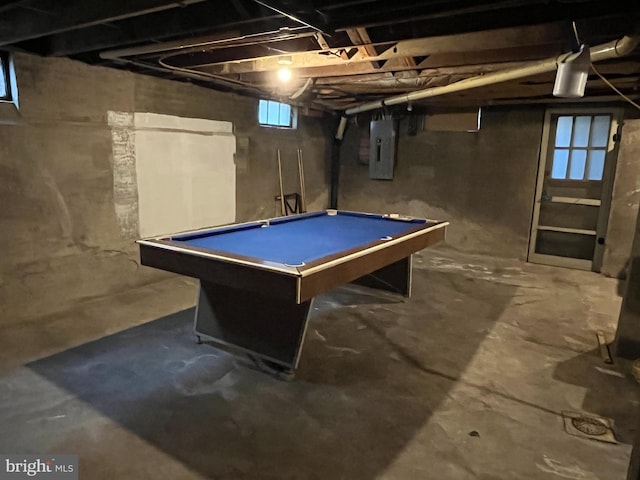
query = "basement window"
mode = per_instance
[
  {"x": 276, "y": 114},
  {"x": 8, "y": 87},
  {"x": 5, "y": 91}
]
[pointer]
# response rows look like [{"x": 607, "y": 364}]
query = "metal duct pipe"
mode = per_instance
[{"x": 613, "y": 49}]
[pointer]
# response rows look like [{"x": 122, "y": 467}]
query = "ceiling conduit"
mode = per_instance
[{"x": 614, "y": 49}]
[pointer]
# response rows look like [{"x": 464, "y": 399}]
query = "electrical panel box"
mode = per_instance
[{"x": 382, "y": 152}]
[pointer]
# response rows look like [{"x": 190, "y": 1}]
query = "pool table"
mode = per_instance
[{"x": 258, "y": 279}]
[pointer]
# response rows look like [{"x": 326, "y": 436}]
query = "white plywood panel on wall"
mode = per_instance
[
  {"x": 157, "y": 121},
  {"x": 185, "y": 172}
]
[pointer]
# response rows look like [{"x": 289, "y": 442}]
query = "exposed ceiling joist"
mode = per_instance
[
  {"x": 343, "y": 52},
  {"x": 315, "y": 23},
  {"x": 196, "y": 24},
  {"x": 51, "y": 17},
  {"x": 322, "y": 42},
  {"x": 464, "y": 71},
  {"x": 9, "y": 4},
  {"x": 359, "y": 36},
  {"x": 404, "y": 48},
  {"x": 199, "y": 19},
  {"x": 241, "y": 9}
]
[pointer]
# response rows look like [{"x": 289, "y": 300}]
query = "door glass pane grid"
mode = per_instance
[
  {"x": 560, "y": 163},
  {"x": 600, "y": 131},
  {"x": 580, "y": 147},
  {"x": 577, "y": 164}
]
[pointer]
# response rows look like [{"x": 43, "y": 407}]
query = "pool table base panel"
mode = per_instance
[
  {"x": 267, "y": 327},
  {"x": 395, "y": 278},
  {"x": 270, "y": 328}
]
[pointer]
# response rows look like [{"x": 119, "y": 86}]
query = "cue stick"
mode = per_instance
[
  {"x": 282, "y": 204},
  {"x": 303, "y": 200}
]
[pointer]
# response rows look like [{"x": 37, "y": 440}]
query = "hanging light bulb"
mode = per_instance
[{"x": 284, "y": 74}]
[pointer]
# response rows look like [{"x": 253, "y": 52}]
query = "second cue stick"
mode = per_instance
[
  {"x": 303, "y": 200},
  {"x": 282, "y": 203}
]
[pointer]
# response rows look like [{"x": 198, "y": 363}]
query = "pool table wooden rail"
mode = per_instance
[
  {"x": 332, "y": 271},
  {"x": 296, "y": 284},
  {"x": 246, "y": 273}
]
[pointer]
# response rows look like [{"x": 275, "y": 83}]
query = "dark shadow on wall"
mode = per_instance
[
  {"x": 622, "y": 278},
  {"x": 351, "y": 410},
  {"x": 627, "y": 341}
]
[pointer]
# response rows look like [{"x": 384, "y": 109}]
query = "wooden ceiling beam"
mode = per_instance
[
  {"x": 423, "y": 47},
  {"x": 362, "y": 72},
  {"x": 322, "y": 42},
  {"x": 200, "y": 19},
  {"x": 360, "y": 36}
]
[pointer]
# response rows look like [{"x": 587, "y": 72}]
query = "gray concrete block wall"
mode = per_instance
[
  {"x": 60, "y": 242},
  {"x": 624, "y": 201},
  {"x": 627, "y": 343},
  {"x": 482, "y": 182}
]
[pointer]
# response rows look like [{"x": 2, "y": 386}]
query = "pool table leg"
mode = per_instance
[
  {"x": 269, "y": 328},
  {"x": 395, "y": 277}
]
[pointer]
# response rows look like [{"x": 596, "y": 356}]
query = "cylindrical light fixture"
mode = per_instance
[{"x": 572, "y": 74}]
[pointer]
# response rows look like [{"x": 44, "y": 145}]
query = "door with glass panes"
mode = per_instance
[{"x": 573, "y": 193}]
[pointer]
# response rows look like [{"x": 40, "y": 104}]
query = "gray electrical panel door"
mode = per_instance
[{"x": 382, "y": 151}]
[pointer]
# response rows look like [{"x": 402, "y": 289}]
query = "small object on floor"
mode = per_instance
[
  {"x": 474, "y": 433},
  {"x": 635, "y": 370},
  {"x": 589, "y": 426},
  {"x": 272, "y": 368},
  {"x": 604, "y": 348}
]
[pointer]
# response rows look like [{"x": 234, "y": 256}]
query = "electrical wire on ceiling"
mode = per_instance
[
  {"x": 612, "y": 86},
  {"x": 291, "y": 16},
  {"x": 595, "y": 70},
  {"x": 262, "y": 38},
  {"x": 302, "y": 89},
  {"x": 249, "y": 86},
  {"x": 212, "y": 76},
  {"x": 174, "y": 49}
]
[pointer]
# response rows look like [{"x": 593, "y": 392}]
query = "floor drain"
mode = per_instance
[{"x": 589, "y": 426}]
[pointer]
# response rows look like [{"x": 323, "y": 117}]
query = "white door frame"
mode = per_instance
[{"x": 604, "y": 203}]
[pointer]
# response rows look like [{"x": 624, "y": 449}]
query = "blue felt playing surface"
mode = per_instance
[{"x": 301, "y": 240}]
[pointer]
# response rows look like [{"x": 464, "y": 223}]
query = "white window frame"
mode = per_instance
[
  {"x": 9, "y": 79},
  {"x": 4, "y": 78}
]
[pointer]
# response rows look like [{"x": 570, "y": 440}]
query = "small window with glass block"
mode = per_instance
[
  {"x": 276, "y": 114},
  {"x": 580, "y": 147},
  {"x": 5, "y": 91}
]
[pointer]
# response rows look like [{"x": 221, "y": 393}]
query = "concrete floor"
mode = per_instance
[{"x": 465, "y": 380}]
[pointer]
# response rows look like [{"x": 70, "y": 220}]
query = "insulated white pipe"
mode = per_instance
[{"x": 613, "y": 49}]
